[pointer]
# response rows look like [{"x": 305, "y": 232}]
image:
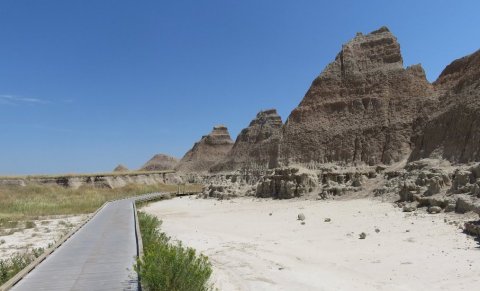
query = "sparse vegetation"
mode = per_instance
[
  {"x": 9, "y": 224},
  {"x": 168, "y": 265},
  {"x": 13, "y": 265}
]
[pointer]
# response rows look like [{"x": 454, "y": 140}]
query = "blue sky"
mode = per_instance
[{"x": 85, "y": 85}]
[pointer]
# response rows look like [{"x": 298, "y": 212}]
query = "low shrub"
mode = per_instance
[
  {"x": 10, "y": 267},
  {"x": 168, "y": 265}
]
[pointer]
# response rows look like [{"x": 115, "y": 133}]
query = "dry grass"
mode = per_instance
[{"x": 33, "y": 201}]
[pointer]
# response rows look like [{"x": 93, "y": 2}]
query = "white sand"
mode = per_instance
[
  {"x": 251, "y": 250},
  {"x": 46, "y": 231}
]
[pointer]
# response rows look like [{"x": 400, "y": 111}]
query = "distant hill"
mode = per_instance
[
  {"x": 121, "y": 168},
  {"x": 160, "y": 162}
]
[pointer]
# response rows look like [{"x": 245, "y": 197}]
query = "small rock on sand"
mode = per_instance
[
  {"x": 362, "y": 235},
  {"x": 409, "y": 208},
  {"x": 434, "y": 209},
  {"x": 301, "y": 217}
]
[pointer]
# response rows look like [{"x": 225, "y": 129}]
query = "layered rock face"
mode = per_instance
[
  {"x": 364, "y": 107},
  {"x": 256, "y": 146},
  {"x": 453, "y": 132},
  {"x": 160, "y": 162},
  {"x": 207, "y": 152}
]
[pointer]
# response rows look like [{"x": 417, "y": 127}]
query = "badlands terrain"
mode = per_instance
[
  {"x": 380, "y": 165},
  {"x": 371, "y": 183}
]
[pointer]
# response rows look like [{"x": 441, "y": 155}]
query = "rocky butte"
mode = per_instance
[
  {"x": 256, "y": 146},
  {"x": 160, "y": 162},
  {"x": 363, "y": 108},
  {"x": 205, "y": 153}
]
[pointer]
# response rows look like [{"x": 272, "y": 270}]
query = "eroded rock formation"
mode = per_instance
[
  {"x": 364, "y": 107},
  {"x": 285, "y": 183},
  {"x": 211, "y": 149},
  {"x": 367, "y": 108},
  {"x": 435, "y": 183},
  {"x": 256, "y": 146},
  {"x": 364, "y": 113},
  {"x": 453, "y": 131},
  {"x": 160, "y": 162}
]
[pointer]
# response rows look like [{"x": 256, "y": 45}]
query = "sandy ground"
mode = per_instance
[
  {"x": 253, "y": 250},
  {"x": 45, "y": 231}
]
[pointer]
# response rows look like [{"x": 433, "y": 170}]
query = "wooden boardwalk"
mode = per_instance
[{"x": 100, "y": 256}]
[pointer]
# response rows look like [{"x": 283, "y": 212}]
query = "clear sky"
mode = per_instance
[{"x": 85, "y": 85}]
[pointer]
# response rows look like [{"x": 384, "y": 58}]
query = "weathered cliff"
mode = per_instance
[
  {"x": 364, "y": 107},
  {"x": 256, "y": 146},
  {"x": 453, "y": 131},
  {"x": 211, "y": 149}
]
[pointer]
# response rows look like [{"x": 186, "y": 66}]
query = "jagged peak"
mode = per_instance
[
  {"x": 379, "y": 48},
  {"x": 220, "y": 127},
  {"x": 381, "y": 30},
  {"x": 271, "y": 111},
  {"x": 460, "y": 73},
  {"x": 268, "y": 116},
  {"x": 219, "y": 135}
]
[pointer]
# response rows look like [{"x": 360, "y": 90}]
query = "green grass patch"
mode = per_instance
[{"x": 168, "y": 265}]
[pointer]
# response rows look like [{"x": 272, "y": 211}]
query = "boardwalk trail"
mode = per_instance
[{"x": 100, "y": 256}]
